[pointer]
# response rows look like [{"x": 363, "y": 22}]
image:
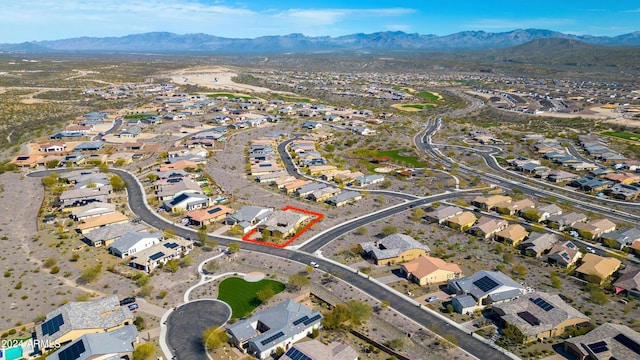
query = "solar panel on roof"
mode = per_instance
[
  {"x": 570, "y": 245},
  {"x": 598, "y": 347},
  {"x": 52, "y": 326},
  {"x": 542, "y": 304},
  {"x": 629, "y": 343},
  {"x": 296, "y": 354},
  {"x": 309, "y": 321},
  {"x": 22, "y": 158},
  {"x": 302, "y": 319},
  {"x": 156, "y": 256},
  {"x": 565, "y": 256},
  {"x": 272, "y": 338},
  {"x": 485, "y": 283},
  {"x": 214, "y": 210},
  {"x": 529, "y": 318},
  {"x": 72, "y": 352},
  {"x": 171, "y": 245}
]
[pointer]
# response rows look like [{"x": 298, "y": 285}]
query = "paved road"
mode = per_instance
[{"x": 512, "y": 181}]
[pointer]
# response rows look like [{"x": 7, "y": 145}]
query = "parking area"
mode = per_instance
[{"x": 186, "y": 324}]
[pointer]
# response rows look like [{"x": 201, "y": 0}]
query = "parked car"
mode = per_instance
[
  {"x": 591, "y": 250},
  {"x": 133, "y": 307},
  {"x": 432, "y": 298},
  {"x": 128, "y": 300}
]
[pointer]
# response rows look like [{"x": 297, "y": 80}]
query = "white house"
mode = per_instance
[{"x": 132, "y": 242}]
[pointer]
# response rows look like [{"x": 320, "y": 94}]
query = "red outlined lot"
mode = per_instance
[{"x": 317, "y": 217}]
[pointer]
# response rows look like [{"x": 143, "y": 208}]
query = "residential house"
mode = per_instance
[
  {"x": 623, "y": 192},
  {"x": 344, "y": 198},
  {"x": 106, "y": 235},
  {"x": 591, "y": 184},
  {"x": 323, "y": 194},
  {"x": 621, "y": 239},
  {"x": 205, "y": 217},
  {"x": 537, "y": 244},
  {"x": 513, "y": 234},
  {"x": 629, "y": 282},
  {"x": 116, "y": 344},
  {"x": 278, "y": 326},
  {"x": 462, "y": 221},
  {"x": 483, "y": 288},
  {"x": 125, "y": 158},
  {"x": 396, "y": 248},
  {"x": 594, "y": 228},
  {"x": 149, "y": 259},
  {"x": 89, "y": 146},
  {"x": 595, "y": 268},
  {"x": 282, "y": 224},
  {"x": 443, "y": 213},
  {"x": 295, "y": 185},
  {"x": 541, "y": 213},
  {"x": 315, "y": 350},
  {"x": 511, "y": 208},
  {"x": 92, "y": 210},
  {"x": 26, "y": 161},
  {"x": 248, "y": 217},
  {"x": 306, "y": 190},
  {"x": 54, "y": 146},
  {"x": 315, "y": 170},
  {"x": 606, "y": 342},
  {"x": 75, "y": 319},
  {"x": 539, "y": 316},
  {"x": 487, "y": 227},
  {"x": 565, "y": 254},
  {"x": 178, "y": 165},
  {"x": 132, "y": 242},
  {"x": 369, "y": 180},
  {"x": 187, "y": 202},
  {"x": 93, "y": 223},
  {"x": 427, "y": 270},
  {"x": 488, "y": 203},
  {"x": 172, "y": 189},
  {"x": 561, "y": 176},
  {"x": 563, "y": 221}
]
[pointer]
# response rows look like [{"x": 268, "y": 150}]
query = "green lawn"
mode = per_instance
[
  {"x": 623, "y": 135},
  {"x": 419, "y": 106},
  {"x": 428, "y": 96},
  {"x": 137, "y": 116},
  {"x": 488, "y": 125},
  {"x": 401, "y": 159},
  {"x": 241, "y": 295}
]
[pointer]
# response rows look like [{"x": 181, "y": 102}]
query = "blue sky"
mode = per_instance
[{"x": 28, "y": 20}]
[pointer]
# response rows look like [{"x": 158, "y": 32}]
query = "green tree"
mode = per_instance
[
  {"x": 336, "y": 317},
  {"x": 143, "y": 351},
  {"x": 172, "y": 265},
  {"x": 234, "y": 247},
  {"x": 359, "y": 311},
  {"x": 212, "y": 266},
  {"x": 598, "y": 297},
  {"x": 507, "y": 258},
  {"x": 265, "y": 294},
  {"x": 362, "y": 231},
  {"x": 91, "y": 274},
  {"x": 186, "y": 261},
  {"x": 520, "y": 270},
  {"x": 417, "y": 214},
  {"x": 297, "y": 281},
  {"x": 168, "y": 233},
  {"x": 555, "y": 281},
  {"x": 389, "y": 230},
  {"x": 213, "y": 338},
  {"x": 145, "y": 291},
  {"x": 117, "y": 183}
]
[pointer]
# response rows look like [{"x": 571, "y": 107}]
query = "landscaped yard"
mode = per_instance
[
  {"x": 623, "y": 135},
  {"x": 428, "y": 96},
  {"x": 242, "y": 296},
  {"x": 401, "y": 159}
]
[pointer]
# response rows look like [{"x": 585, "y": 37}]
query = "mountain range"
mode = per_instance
[{"x": 164, "y": 42}]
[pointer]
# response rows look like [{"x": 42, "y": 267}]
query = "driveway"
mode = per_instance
[{"x": 187, "y": 322}]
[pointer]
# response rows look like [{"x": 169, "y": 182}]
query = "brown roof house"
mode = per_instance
[
  {"x": 489, "y": 202},
  {"x": 396, "y": 248},
  {"x": 597, "y": 269},
  {"x": 541, "y": 213},
  {"x": 594, "y": 228},
  {"x": 203, "y": 217},
  {"x": 462, "y": 221},
  {"x": 562, "y": 221},
  {"x": 606, "y": 342},
  {"x": 513, "y": 235},
  {"x": 565, "y": 254},
  {"x": 511, "y": 208},
  {"x": 629, "y": 282},
  {"x": 488, "y": 226},
  {"x": 539, "y": 315},
  {"x": 538, "y": 243},
  {"x": 427, "y": 270}
]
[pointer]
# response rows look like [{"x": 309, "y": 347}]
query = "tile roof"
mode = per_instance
[{"x": 392, "y": 246}]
